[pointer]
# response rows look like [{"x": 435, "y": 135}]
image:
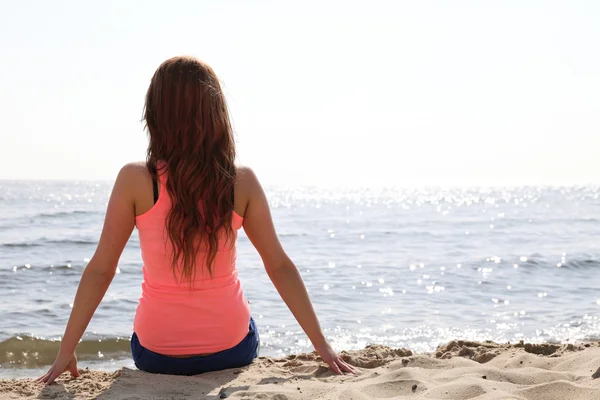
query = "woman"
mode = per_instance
[{"x": 187, "y": 201}]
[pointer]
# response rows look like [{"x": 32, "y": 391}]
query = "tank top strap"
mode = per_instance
[
  {"x": 159, "y": 184},
  {"x": 155, "y": 189}
]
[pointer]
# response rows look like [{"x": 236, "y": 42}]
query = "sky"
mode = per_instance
[{"x": 320, "y": 92}]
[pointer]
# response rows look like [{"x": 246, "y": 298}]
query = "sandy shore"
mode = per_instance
[{"x": 458, "y": 370}]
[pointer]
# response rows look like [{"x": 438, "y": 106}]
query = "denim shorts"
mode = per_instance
[{"x": 238, "y": 356}]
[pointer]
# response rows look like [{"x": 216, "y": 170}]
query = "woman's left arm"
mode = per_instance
[{"x": 118, "y": 225}]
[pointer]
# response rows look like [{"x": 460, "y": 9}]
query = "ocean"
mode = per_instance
[{"x": 395, "y": 266}]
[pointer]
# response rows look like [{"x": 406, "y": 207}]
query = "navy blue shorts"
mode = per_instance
[{"x": 238, "y": 356}]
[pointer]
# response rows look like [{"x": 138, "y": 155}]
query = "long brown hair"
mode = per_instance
[{"x": 190, "y": 132}]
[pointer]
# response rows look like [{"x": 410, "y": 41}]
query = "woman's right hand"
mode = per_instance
[
  {"x": 328, "y": 355},
  {"x": 63, "y": 363}
]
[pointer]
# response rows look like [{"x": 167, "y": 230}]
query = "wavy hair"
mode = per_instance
[{"x": 191, "y": 139}]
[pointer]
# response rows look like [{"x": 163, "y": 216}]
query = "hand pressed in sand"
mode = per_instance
[
  {"x": 334, "y": 361},
  {"x": 63, "y": 363}
]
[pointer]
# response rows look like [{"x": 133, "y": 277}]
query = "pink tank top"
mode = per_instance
[{"x": 174, "y": 319}]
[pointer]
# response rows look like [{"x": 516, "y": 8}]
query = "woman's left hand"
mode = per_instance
[
  {"x": 63, "y": 363},
  {"x": 334, "y": 361}
]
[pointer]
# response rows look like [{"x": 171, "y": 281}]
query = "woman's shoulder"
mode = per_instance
[
  {"x": 135, "y": 175},
  {"x": 246, "y": 179},
  {"x": 135, "y": 171},
  {"x": 135, "y": 167},
  {"x": 246, "y": 186}
]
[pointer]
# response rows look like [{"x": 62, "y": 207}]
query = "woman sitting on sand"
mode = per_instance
[{"x": 187, "y": 201}]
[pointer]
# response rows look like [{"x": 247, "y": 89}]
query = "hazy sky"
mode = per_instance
[{"x": 398, "y": 92}]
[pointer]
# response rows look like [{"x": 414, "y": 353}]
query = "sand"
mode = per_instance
[{"x": 457, "y": 370}]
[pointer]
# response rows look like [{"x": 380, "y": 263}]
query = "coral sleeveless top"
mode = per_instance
[{"x": 174, "y": 318}]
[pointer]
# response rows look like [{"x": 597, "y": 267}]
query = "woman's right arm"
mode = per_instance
[{"x": 259, "y": 227}]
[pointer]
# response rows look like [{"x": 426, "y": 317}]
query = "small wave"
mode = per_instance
[
  {"x": 31, "y": 352},
  {"x": 580, "y": 264},
  {"x": 64, "y": 267},
  {"x": 26, "y": 245},
  {"x": 49, "y": 268},
  {"x": 575, "y": 263},
  {"x": 62, "y": 214},
  {"x": 44, "y": 242},
  {"x": 71, "y": 241}
]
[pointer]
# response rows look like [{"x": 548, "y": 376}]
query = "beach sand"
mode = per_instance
[{"x": 457, "y": 370}]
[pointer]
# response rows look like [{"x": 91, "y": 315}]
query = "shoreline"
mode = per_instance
[{"x": 456, "y": 370}]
